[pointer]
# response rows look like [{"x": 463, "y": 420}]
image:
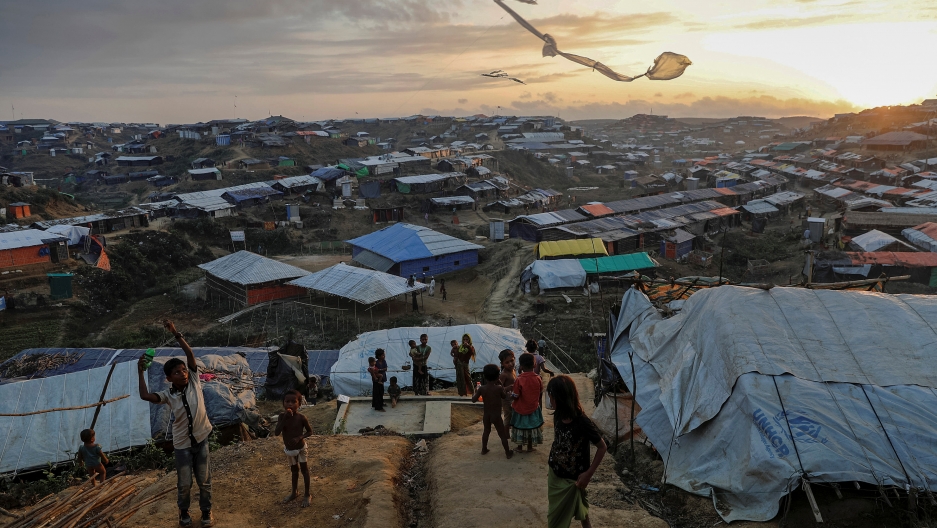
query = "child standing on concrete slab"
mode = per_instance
[
  {"x": 492, "y": 393},
  {"x": 295, "y": 428}
]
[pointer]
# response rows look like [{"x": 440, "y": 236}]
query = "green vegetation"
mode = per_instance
[
  {"x": 18, "y": 336},
  {"x": 142, "y": 263}
]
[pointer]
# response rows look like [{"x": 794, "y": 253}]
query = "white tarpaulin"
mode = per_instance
[
  {"x": 350, "y": 377},
  {"x": 74, "y": 233},
  {"x": 40, "y": 439},
  {"x": 562, "y": 273},
  {"x": 765, "y": 388}
]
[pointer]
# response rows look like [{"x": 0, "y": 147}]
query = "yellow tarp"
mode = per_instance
[{"x": 567, "y": 248}]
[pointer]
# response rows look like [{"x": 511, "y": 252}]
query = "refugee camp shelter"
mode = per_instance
[
  {"x": 781, "y": 387},
  {"x": 553, "y": 274},
  {"x": 876, "y": 240},
  {"x": 677, "y": 245},
  {"x": 208, "y": 173},
  {"x": 923, "y": 236},
  {"x": 31, "y": 246},
  {"x": 75, "y": 377},
  {"x": 363, "y": 286},
  {"x": 248, "y": 278},
  {"x": 578, "y": 248},
  {"x": 17, "y": 210},
  {"x": 405, "y": 249},
  {"x": 488, "y": 340}
]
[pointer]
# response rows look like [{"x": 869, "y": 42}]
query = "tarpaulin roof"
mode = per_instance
[
  {"x": 361, "y": 285},
  {"x": 349, "y": 374},
  {"x": 402, "y": 242},
  {"x": 27, "y": 238},
  {"x": 245, "y": 268},
  {"x": 561, "y": 273},
  {"x": 560, "y": 248},
  {"x": 73, "y": 233},
  {"x": 783, "y": 384},
  {"x": 328, "y": 173},
  {"x": 873, "y": 240},
  {"x": 760, "y": 207},
  {"x": 618, "y": 263}
]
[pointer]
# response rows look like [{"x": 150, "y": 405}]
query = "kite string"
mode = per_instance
[{"x": 447, "y": 65}]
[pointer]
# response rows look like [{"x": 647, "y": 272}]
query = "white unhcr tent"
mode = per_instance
[
  {"x": 747, "y": 393},
  {"x": 561, "y": 273},
  {"x": 350, "y": 377},
  {"x": 36, "y": 440}
]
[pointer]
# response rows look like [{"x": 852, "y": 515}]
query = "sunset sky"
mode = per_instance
[{"x": 177, "y": 61}]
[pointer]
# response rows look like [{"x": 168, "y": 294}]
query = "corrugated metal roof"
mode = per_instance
[
  {"x": 79, "y": 220},
  {"x": 760, "y": 207},
  {"x": 360, "y": 285},
  {"x": 246, "y": 268},
  {"x": 597, "y": 209},
  {"x": 296, "y": 181},
  {"x": 427, "y": 178},
  {"x": 909, "y": 259},
  {"x": 402, "y": 242},
  {"x": 373, "y": 260}
]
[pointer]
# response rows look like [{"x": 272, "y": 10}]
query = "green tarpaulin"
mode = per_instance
[{"x": 617, "y": 263}]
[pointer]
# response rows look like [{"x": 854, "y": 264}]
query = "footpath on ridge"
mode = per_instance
[{"x": 468, "y": 490}]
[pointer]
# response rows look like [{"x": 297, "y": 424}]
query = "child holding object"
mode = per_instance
[
  {"x": 528, "y": 418},
  {"x": 506, "y": 357},
  {"x": 190, "y": 429},
  {"x": 295, "y": 428},
  {"x": 492, "y": 393},
  {"x": 92, "y": 456},
  {"x": 463, "y": 376},
  {"x": 569, "y": 468},
  {"x": 377, "y": 385}
]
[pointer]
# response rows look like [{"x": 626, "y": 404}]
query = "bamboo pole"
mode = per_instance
[{"x": 67, "y": 408}]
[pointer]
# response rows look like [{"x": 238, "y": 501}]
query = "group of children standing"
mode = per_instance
[{"x": 514, "y": 402}]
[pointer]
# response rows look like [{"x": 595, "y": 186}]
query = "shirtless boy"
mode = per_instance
[
  {"x": 295, "y": 428},
  {"x": 492, "y": 392}
]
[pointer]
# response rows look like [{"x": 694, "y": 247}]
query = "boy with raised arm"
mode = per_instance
[{"x": 190, "y": 429}]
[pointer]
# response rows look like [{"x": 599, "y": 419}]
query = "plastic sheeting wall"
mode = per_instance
[
  {"x": 350, "y": 376},
  {"x": 770, "y": 428},
  {"x": 563, "y": 273},
  {"x": 34, "y": 441}
]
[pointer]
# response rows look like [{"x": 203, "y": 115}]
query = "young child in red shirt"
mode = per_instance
[{"x": 528, "y": 418}]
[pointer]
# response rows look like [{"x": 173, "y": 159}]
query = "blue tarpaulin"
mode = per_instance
[{"x": 328, "y": 173}]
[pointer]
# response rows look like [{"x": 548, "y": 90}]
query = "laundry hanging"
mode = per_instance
[{"x": 666, "y": 66}]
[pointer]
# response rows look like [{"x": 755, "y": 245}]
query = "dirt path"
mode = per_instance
[
  {"x": 504, "y": 298},
  {"x": 353, "y": 478},
  {"x": 470, "y": 490}
]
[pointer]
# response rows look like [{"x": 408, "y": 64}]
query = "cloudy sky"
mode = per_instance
[{"x": 174, "y": 61}]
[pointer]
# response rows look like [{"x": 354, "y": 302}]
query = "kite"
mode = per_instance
[
  {"x": 501, "y": 74},
  {"x": 666, "y": 66}
]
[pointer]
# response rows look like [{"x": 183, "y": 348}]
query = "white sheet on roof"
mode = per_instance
[
  {"x": 560, "y": 273},
  {"x": 350, "y": 377},
  {"x": 721, "y": 368},
  {"x": 34, "y": 441},
  {"x": 74, "y": 233}
]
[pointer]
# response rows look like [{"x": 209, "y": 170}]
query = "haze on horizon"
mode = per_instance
[{"x": 179, "y": 61}]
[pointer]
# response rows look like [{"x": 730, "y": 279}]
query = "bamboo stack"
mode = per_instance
[{"x": 109, "y": 504}]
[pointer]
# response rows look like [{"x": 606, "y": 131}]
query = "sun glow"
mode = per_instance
[{"x": 873, "y": 64}]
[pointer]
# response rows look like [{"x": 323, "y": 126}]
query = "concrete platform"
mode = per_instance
[{"x": 420, "y": 416}]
